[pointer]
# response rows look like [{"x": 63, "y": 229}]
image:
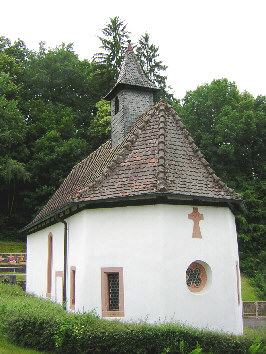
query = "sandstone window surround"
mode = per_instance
[
  {"x": 112, "y": 292},
  {"x": 72, "y": 288},
  {"x": 198, "y": 277},
  {"x": 49, "y": 265},
  {"x": 59, "y": 275}
]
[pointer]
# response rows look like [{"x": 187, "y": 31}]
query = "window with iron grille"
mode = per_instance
[
  {"x": 112, "y": 292},
  {"x": 196, "y": 277}
]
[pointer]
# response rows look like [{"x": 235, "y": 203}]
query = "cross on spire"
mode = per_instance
[
  {"x": 196, "y": 217},
  {"x": 129, "y": 47}
]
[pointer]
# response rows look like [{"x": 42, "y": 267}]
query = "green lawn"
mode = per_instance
[
  {"x": 248, "y": 292},
  {"x": 7, "y": 348},
  {"x": 19, "y": 277},
  {"x": 12, "y": 246},
  {"x": 254, "y": 333}
]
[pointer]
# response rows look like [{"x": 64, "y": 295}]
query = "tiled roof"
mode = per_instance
[
  {"x": 131, "y": 74},
  {"x": 158, "y": 156}
]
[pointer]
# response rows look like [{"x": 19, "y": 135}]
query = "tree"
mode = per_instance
[
  {"x": 12, "y": 171},
  {"x": 100, "y": 128},
  {"x": 114, "y": 44},
  {"x": 57, "y": 76},
  {"x": 14, "y": 153},
  {"x": 45, "y": 108},
  {"x": 210, "y": 113},
  {"x": 147, "y": 55}
]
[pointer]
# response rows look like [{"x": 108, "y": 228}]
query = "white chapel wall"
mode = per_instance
[
  {"x": 154, "y": 246},
  {"x": 37, "y": 255}
]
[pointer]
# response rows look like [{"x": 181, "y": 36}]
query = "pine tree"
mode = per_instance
[
  {"x": 114, "y": 43},
  {"x": 147, "y": 54}
]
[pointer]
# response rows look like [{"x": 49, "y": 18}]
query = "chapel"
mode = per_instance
[{"x": 141, "y": 229}]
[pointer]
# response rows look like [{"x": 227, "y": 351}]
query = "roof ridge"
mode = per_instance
[
  {"x": 197, "y": 151},
  {"x": 122, "y": 150},
  {"x": 161, "y": 174}
]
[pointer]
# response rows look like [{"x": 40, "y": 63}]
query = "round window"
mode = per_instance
[{"x": 196, "y": 277}]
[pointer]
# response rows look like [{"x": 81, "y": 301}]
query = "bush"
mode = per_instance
[
  {"x": 26, "y": 320},
  {"x": 44, "y": 325}
]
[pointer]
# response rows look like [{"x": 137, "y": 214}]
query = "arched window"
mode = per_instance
[
  {"x": 49, "y": 265},
  {"x": 116, "y": 105}
]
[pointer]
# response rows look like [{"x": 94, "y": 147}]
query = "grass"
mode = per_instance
[
  {"x": 19, "y": 277},
  {"x": 12, "y": 246},
  {"x": 254, "y": 333},
  {"x": 248, "y": 292},
  {"x": 7, "y": 348}
]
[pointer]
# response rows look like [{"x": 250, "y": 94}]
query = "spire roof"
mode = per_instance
[
  {"x": 131, "y": 74},
  {"x": 157, "y": 158}
]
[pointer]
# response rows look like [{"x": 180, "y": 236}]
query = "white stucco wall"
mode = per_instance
[
  {"x": 37, "y": 255},
  {"x": 154, "y": 245}
]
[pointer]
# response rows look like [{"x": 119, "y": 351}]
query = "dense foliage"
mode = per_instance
[
  {"x": 43, "y": 325},
  {"x": 49, "y": 106},
  {"x": 52, "y": 115}
]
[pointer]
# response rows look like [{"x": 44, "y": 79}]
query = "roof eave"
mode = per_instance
[
  {"x": 236, "y": 205},
  {"x": 121, "y": 85}
]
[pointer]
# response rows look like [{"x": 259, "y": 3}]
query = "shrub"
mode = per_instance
[
  {"x": 44, "y": 325},
  {"x": 27, "y": 320}
]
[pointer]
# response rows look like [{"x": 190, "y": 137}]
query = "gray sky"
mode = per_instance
[{"x": 199, "y": 40}]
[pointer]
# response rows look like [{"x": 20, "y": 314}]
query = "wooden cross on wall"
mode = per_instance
[{"x": 196, "y": 217}]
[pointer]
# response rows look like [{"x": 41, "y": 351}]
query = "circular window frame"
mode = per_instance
[{"x": 204, "y": 276}]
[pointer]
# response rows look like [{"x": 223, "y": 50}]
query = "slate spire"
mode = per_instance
[
  {"x": 131, "y": 74},
  {"x": 131, "y": 96}
]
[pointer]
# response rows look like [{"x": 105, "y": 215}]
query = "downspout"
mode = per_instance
[{"x": 65, "y": 264}]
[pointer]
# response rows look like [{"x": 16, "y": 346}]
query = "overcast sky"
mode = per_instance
[{"x": 199, "y": 40}]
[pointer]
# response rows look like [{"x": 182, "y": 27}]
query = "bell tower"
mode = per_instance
[{"x": 131, "y": 96}]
